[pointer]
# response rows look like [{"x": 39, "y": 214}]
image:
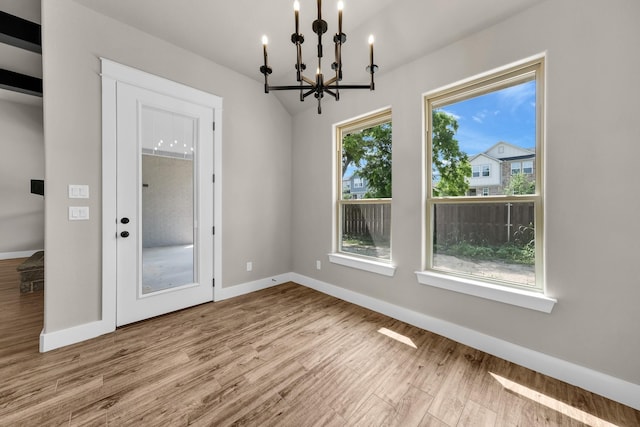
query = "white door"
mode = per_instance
[{"x": 164, "y": 208}]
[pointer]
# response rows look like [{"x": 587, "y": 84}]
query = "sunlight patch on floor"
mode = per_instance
[
  {"x": 398, "y": 337},
  {"x": 550, "y": 402}
]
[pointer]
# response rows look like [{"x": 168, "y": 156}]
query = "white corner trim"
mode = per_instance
[
  {"x": 73, "y": 335},
  {"x": 123, "y": 73},
  {"x": 519, "y": 297},
  {"x": 220, "y": 293},
  {"x": 20, "y": 254},
  {"x": 371, "y": 266},
  {"x": 605, "y": 385}
]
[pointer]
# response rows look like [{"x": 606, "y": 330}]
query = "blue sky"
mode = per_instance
[{"x": 505, "y": 115}]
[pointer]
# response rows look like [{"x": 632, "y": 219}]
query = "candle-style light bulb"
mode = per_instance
[
  {"x": 265, "y": 41},
  {"x": 296, "y": 12},
  {"x": 371, "y": 53},
  {"x": 340, "y": 7}
]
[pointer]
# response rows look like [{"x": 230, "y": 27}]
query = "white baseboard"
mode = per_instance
[
  {"x": 20, "y": 254},
  {"x": 76, "y": 334},
  {"x": 605, "y": 385},
  {"x": 73, "y": 335},
  {"x": 220, "y": 293}
]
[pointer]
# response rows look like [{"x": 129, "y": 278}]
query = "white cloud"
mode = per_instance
[{"x": 451, "y": 113}]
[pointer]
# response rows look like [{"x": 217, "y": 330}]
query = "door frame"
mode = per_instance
[{"x": 112, "y": 73}]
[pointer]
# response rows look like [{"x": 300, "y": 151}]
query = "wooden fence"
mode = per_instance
[
  {"x": 482, "y": 223},
  {"x": 367, "y": 220},
  {"x": 488, "y": 224}
]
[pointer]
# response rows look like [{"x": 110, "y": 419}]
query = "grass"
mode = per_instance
[{"x": 512, "y": 253}]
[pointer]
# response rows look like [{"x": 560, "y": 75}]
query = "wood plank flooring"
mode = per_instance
[{"x": 285, "y": 356}]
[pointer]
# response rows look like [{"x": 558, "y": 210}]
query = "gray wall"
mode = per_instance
[
  {"x": 591, "y": 208},
  {"x": 167, "y": 201},
  {"x": 273, "y": 220},
  {"x": 22, "y": 159},
  {"x": 256, "y": 147}
]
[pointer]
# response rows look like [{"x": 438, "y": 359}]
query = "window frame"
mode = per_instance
[
  {"x": 363, "y": 262},
  {"x": 532, "y": 69},
  {"x": 516, "y": 171}
]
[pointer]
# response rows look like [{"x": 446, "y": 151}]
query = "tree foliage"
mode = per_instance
[
  {"x": 369, "y": 151},
  {"x": 450, "y": 163},
  {"x": 520, "y": 184}
]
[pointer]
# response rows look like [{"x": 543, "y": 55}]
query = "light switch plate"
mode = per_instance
[
  {"x": 78, "y": 191},
  {"x": 78, "y": 213}
]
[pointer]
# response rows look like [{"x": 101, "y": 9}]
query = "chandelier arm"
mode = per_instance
[
  {"x": 309, "y": 92},
  {"x": 350, "y": 87},
  {"x": 339, "y": 55},
  {"x": 330, "y": 92},
  {"x": 331, "y": 81},
  {"x": 308, "y": 80},
  {"x": 299, "y": 63},
  {"x": 299, "y": 87}
]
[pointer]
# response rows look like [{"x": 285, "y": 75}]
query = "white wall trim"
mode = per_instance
[
  {"x": 73, "y": 335},
  {"x": 112, "y": 73},
  {"x": 220, "y": 293},
  {"x": 20, "y": 254},
  {"x": 507, "y": 295},
  {"x": 372, "y": 266},
  {"x": 109, "y": 168},
  {"x": 597, "y": 382}
]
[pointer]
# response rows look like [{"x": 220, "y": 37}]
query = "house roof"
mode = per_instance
[
  {"x": 472, "y": 158},
  {"x": 528, "y": 156},
  {"x": 527, "y": 153}
]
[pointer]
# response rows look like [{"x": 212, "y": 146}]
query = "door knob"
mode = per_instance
[
  {"x": 124, "y": 234},
  {"x": 125, "y": 220}
]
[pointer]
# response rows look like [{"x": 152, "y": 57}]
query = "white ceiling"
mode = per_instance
[{"x": 229, "y": 32}]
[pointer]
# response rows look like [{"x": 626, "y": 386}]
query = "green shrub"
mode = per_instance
[{"x": 512, "y": 253}]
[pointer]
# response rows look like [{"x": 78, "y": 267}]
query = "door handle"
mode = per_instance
[{"x": 124, "y": 234}]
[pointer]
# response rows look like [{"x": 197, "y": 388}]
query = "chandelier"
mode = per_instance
[{"x": 318, "y": 86}]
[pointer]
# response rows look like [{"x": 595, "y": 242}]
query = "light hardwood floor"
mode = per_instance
[{"x": 286, "y": 356}]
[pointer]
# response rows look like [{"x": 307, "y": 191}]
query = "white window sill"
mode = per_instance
[
  {"x": 372, "y": 266},
  {"x": 519, "y": 297}
]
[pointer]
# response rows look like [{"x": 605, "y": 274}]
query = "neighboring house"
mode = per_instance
[
  {"x": 491, "y": 171},
  {"x": 354, "y": 187}
]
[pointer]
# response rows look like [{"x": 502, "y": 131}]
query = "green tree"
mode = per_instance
[
  {"x": 451, "y": 164},
  {"x": 370, "y": 152},
  {"x": 520, "y": 184}
]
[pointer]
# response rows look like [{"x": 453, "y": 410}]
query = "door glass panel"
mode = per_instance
[{"x": 167, "y": 205}]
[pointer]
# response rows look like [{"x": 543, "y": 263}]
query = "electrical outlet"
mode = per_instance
[
  {"x": 318, "y": 264},
  {"x": 249, "y": 266}
]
